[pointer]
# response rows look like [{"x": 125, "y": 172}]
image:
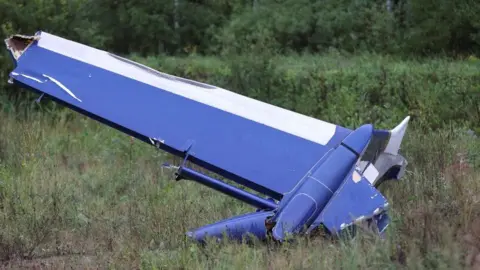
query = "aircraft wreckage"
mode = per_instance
[{"x": 311, "y": 173}]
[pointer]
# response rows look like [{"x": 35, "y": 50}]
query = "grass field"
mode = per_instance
[{"x": 76, "y": 193}]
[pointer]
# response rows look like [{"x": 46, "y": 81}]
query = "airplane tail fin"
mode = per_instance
[
  {"x": 384, "y": 161},
  {"x": 396, "y": 137}
]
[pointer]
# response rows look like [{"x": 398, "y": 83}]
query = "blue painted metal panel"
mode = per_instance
[
  {"x": 236, "y": 228},
  {"x": 354, "y": 201},
  {"x": 305, "y": 203},
  {"x": 263, "y": 158},
  {"x": 358, "y": 141}
]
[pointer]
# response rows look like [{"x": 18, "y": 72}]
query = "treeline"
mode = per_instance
[{"x": 146, "y": 27}]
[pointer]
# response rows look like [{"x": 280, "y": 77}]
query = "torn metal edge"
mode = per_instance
[
  {"x": 18, "y": 44},
  {"x": 162, "y": 74}
]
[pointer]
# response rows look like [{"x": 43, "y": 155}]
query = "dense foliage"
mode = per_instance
[{"x": 212, "y": 26}]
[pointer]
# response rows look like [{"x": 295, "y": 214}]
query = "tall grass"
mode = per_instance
[{"x": 75, "y": 192}]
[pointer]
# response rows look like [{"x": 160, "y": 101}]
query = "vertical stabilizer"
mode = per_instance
[{"x": 396, "y": 137}]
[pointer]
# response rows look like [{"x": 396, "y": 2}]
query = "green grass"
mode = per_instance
[{"x": 77, "y": 193}]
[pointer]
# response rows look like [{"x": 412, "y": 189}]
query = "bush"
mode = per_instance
[{"x": 413, "y": 27}]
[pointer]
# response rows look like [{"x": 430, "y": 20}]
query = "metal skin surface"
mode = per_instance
[
  {"x": 314, "y": 195},
  {"x": 315, "y": 172}
]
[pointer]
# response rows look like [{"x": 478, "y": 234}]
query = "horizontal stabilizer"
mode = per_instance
[{"x": 236, "y": 228}]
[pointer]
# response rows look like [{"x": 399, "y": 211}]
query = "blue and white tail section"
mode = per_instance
[
  {"x": 315, "y": 172},
  {"x": 301, "y": 207},
  {"x": 358, "y": 200},
  {"x": 336, "y": 193}
]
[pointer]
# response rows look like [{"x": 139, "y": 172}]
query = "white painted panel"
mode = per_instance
[{"x": 371, "y": 173}]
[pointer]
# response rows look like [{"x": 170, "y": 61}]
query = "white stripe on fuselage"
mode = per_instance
[{"x": 285, "y": 120}]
